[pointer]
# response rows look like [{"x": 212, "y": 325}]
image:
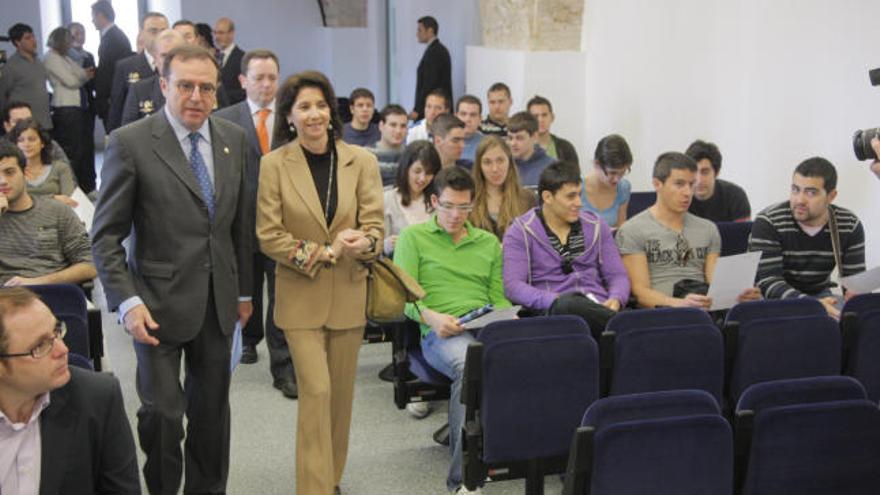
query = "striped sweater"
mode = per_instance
[{"x": 794, "y": 264}]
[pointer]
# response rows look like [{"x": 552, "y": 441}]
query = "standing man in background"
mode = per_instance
[
  {"x": 87, "y": 102},
  {"x": 113, "y": 48},
  {"x": 24, "y": 78},
  {"x": 435, "y": 68},
  {"x": 229, "y": 56}
]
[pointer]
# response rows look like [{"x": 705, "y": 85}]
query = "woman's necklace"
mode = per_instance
[{"x": 332, "y": 148}]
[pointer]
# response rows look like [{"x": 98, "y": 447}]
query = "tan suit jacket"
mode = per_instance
[{"x": 288, "y": 210}]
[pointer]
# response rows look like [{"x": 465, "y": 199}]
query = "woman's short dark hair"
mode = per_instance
[
  {"x": 31, "y": 123},
  {"x": 284, "y": 131},
  {"x": 819, "y": 167},
  {"x": 205, "y": 32},
  {"x": 556, "y": 175},
  {"x": 613, "y": 152},
  {"x": 421, "y": 151}
]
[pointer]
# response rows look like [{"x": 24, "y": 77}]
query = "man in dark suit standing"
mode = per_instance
[
  {"x": 256, "y": 115},
  {"x": 62, "y": 430},
  {"x": 229, "y": 55},
  {"x": 134, "y": 68},
  {"x": 114, "y": 47},
  {"x": 435, "y": 68},
  {"x": 176, "y": 182}
]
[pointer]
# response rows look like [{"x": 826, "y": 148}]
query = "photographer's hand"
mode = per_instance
[{"x": 875, "y": 167}]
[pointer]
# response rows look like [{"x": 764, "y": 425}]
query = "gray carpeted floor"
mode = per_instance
[{"x": 390, "y": 453}]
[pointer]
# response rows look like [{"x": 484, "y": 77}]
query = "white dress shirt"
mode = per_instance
[{"x": 21, "y": 451}]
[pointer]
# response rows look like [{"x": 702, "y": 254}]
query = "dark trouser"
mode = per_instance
[
  {"x": 280, "y": 363},
  {"x": 67, "y": 129},
  {"x": 577, "y": 304},
  {"x": 204, "y": 398},
  {"x": 87, "y": 183}
]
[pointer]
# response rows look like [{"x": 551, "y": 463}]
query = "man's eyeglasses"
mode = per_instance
[
  {"x": 451, "y": 207},
  {"x": 187, "y": 88},
  {"x": 43, "y": 347}
]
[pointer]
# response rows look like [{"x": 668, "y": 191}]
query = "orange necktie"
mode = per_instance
[{"x": 262, "y": 131}]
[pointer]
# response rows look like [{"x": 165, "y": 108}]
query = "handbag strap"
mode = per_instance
[{"x": 835, "y": 240}]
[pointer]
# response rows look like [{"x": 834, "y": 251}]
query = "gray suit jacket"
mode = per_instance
[{"x": 148, "y": 189}]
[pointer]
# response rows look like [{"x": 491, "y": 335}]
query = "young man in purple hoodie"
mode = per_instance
[{"x": 561, "y": 260}]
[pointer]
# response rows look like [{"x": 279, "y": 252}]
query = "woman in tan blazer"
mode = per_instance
[{"x": 319, "y": 216}]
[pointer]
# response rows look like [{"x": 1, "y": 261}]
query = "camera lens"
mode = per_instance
[{"x": 862, "y": 143}]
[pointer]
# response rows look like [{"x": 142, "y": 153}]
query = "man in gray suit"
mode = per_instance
[
  {"x": 177, "y": 179},
  {"x": 256, "y": 115}
]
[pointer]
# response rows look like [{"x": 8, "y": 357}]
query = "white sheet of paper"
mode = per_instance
[
  {"x": 85, "y": 210},
  {"x": 733, "y": 274},
  {"x": 497, "y": 315},
  {"x": 863, "y": 283}
]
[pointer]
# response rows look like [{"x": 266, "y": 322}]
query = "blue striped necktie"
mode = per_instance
[{"x": 197, "y": 162}]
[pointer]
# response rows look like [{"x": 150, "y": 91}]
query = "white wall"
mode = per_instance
[
  {"x": 772, "y": 83},
  {"x": 27, "y": 12}
]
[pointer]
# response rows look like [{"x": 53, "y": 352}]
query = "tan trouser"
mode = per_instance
[{"x": 325, "y": 362}]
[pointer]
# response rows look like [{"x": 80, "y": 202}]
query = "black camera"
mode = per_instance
[{"x": 862, "y": 138}]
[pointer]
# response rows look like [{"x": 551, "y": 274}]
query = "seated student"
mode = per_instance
[
  {"x": 606, "y": 190},
  {"x": 561, "y": 260},
  {"x": 558, "y": 148},
  {"x": 41, "y": 240},
  {"x": 665, "y": 245},
  {"x": 361, "y": 131},
  {"x": 500, "y": 101},
  {"x": 531, "y": 159},
  {"x": 19, "y": 110},
  {"x": 468, "y": 109},
  {"x": 715, "y": 199},
  {"x": 499, "y": 198},
  {"x": 459, "y": 266},
  {"x": 448, "y": 138},
  {"x": 794, "y": 237},
  {"x": 389, "y": 147},
  {"x": 409, "y": 202},
  {"x": 436, "y": 103},
  {"x": 62, "y": 430},
  {"x": 44, "y": 178}
]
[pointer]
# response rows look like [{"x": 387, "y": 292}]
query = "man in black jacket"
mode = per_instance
[
  {"x": 229, "y": 56},
  {"x": 555, "y": 146},
  {"x": 114, "y": 47},
  {"x": 435, "y": 68}
]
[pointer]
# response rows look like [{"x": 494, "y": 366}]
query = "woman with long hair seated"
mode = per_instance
[
  {"x": 43, "y": 176},
  {"x": 499, "y": 198},
  {"x": 409, "y": 201},
  {"x": 606, "y": 191}
]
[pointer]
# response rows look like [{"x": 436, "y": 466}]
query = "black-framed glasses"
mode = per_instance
[{"x": 44, "y": 346}]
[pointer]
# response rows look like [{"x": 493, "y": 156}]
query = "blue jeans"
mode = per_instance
[{"x": 447, "y": 356}]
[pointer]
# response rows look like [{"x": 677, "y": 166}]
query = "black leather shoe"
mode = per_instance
[
  {"x": 287, "y": 388},
  {"x": 441, "y": 436},
  {"x": 337, "y": 491},
  {"x": 248, "y": 354}
]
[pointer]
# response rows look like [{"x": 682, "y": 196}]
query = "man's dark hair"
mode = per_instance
[
  {"x": 430, "y": 23},
  {"x": 286, "y": 97},
  {"x": 258, "y": 54},
  {"x": 523, "y": 121},
  {"x": 439, "y": 93},
  {"x": 672, "y": 160},
  {"x": 206, "y": 32},
  {"x": 819, "y": 167},
  {"x": 12, "y": 299},
  {"x": 702, "y": 150},
  {"x": 360, "y": 93},
  {"x": 392, "y": 109},
  {"x": 539, "y": 100},
  {"x": 421, "y": 151},
  {"x": 613, "y": 153},
  {"x": 558, "y": 174},
  {"x": 8, "y": 149},
  {"x": 152, "y": 14},
  {"x": 469, "y": 99},
  {"x": 183, "y": 22},
  {"x": 17, "y": 31},
  {"x": 31, "y": 123},
  {"x": 499, "y": 86},
  {"x": 105, "y": 8},
  {"x": 444, "y": 123},
  {"x": 187, "y": 52},
  {"x": 14, "y": 105},
  {"x": 455, "y": 178}
]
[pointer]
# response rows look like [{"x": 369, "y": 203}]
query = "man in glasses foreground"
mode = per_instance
[
  {"x": 62, "y": 430},
  {"x": 459, "y": 266},
  {"x": 670, "y": 254}
]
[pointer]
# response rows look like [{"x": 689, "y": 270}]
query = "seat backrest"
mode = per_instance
[
  {"x": 734, "y": 237},
  {"x": 538, "y": 326},
  {"x": 640, "y": 201},
  {"x": 864, "y": 362},
  {"x": 668, "y": 456},
  {"x": 781, "y": 348},
  {"x": 534, "y": 392},
  {"x": 77, "y": 338},
  {"x": 861, "y": 303},
  {"x": 774, "y": 308},
  {"x": 799, "y": 391},
  {"x": 649, "y": 405},
  {"x": 669, "y": 358},
  {"x": 66, "y": 298},
  {"x": 813, "y": 449},
  {"x": 663, "y": 317}
]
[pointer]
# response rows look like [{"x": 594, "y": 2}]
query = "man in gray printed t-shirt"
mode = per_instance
[{"x": 665, "y": 244}]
